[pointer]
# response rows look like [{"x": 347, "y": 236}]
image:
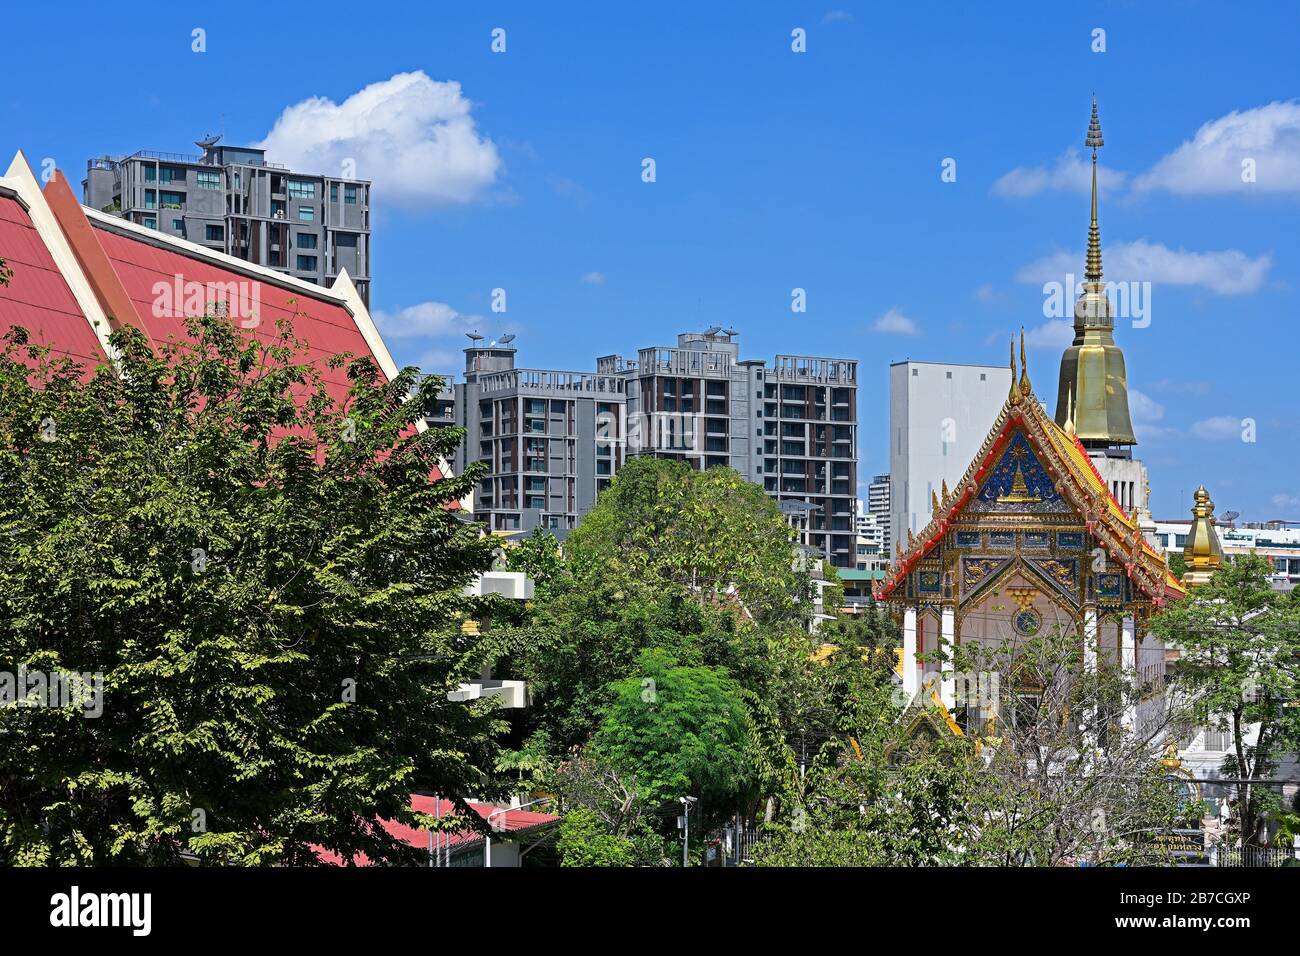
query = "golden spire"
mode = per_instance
[
  {"x": 1092, "y": 366},
  {"x": 1203, "y": 553},
  {"x": 1024, "y": 366},
  {"x": 1014, "y": 397},
  {"x": 946, "y": 494},
  {"x": 1069, "y": 412},
  {"x": 1093, "y": 273}
]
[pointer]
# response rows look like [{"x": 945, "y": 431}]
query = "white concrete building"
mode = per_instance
[{"x": 939, "y": 415}]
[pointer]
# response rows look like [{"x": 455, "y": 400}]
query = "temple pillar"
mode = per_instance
[
  {"x": 947, "y": 631},
  {"x": 1090, "y": 670},
  {"x": 911, "y": 682},
  {"x": 1128, "y": 667}
]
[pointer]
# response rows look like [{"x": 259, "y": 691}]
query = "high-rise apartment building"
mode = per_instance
[
  {"x": 878, "y": 507},
  {"x": 939, "y": 416},
  {"x": 232, "y": 200},
  {"x": 553, "y": 439}
]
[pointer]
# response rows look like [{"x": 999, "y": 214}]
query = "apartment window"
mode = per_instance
[
  {"x": 149, "y": 222},
  {"x": 306, "y": 263},
  {"x": 306, "y": 214},
  {"x": 236, "y": 180},
  {"x": 150, "y": 174},
  {"x": 307, "y": 240},
  {"x": 350, "y": 195},
  {"x": 170, "y": 174},
  {"x": 302, "y": 189},
  {"x": 178, "y": 225},
  {"x": 983, "y": 377},
  {"x": 170, "y": 200},
  {"x": 150, "y": 199},
  {"x": 947, "y": 374},
  {"x": 914, "y": 372},
  {"x": 209, "y": 179},
  {"x": 334, "y": 192},
  {"x": 214, "y": 233},
  {"x": 277, "y": 209}
]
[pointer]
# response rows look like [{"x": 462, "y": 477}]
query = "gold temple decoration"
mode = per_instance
[
  {"x": 1014, "y": 396},
  {"x": 934, "y": 502},
  {"x": 1093, "y": 388},
  {"x": 1024, "y": 597},
  {"x": 1203, "y": 552},
  {"x": 1024, "y": 367},
  {"x": 1019, "y": 493}
]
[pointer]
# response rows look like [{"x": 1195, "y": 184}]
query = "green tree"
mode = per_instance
[
  {"x": 679, "y": 731},
  {"x": 1239, "y": 658},
  {"x": 269, "y": 587},
  {"x": 700, "y": 564}
]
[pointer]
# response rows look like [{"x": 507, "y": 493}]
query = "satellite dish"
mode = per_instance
[
  {"x": 732, "y": 332},
  {"x": 1230, "y": 516},
  {"x": 713, "y": 330},
  {"x": 474, "y": 336},
  {"x": 507, "y": 339},
  {"x": 208, "y": 141}
]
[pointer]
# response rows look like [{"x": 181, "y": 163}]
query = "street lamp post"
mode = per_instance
[{"x": 686, "y": 828}]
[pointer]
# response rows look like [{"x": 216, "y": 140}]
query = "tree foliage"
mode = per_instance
[
  {"x": 1239, "y": 643},
  {"x": 268, "y": 583}
]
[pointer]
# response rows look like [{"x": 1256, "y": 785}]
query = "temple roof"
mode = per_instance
[{"x": 1077, "y": 481}]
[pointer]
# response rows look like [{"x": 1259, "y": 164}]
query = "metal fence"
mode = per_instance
[{"x": 1235, "y": 856}]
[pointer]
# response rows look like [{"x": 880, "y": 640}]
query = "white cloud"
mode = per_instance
[
  {"x": 425, "y": 319},
  {"x": 411, "y": 135},
  {"x": 896, "y": 323},
  {"x": 837, "y": 16},
  {"x": 1144, "y": 409},
  {"x": 594, "y": 278},
  {"x": 1225, "y": 271},
  {"x": 1218, "y": 428},
  {"x": 987, "y": 294},
  {"x": 1070, "y": 173},
  {"x": 1211, "y": 161},
  {"x": 1286, "y": 502},
  {"x": 1053, "y": 334}
]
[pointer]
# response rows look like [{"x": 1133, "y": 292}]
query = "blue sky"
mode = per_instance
[{"x": 775, "y": 170}]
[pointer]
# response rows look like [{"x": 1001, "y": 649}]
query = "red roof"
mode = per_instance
[
  {"x": 37, "y": 296},
  {"x": 160, "y": 280},
  {"x": 503, "y": 821}
]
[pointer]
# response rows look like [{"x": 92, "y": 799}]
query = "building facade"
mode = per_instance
[
  {"x": 938, "y": 416},
  {"x": 230, "y": 199},
  {"x": 552, "y": 440},
  {"x": 878, "y": 498}
]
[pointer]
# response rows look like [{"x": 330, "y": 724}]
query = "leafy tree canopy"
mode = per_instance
[{"x": 268, "y": 584}]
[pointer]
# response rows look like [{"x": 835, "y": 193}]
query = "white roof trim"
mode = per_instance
[{"x": 20, "y": 179}]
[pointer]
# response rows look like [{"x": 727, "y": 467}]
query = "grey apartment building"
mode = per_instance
[
  {"x": 229, "y": 198},
  {"x": 550, "y": 438},
  {"x": 554, "y": 439}
]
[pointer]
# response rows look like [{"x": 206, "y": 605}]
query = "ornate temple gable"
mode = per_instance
[
  {"x": 1018, "y": 484},
  {"x": 1031, "y": 482}
]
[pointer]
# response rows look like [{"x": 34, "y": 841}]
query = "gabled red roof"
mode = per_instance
[
  {"x": 503, "y": 820},
  {"x": 37, "y": 296},
  {"x": 153, "y": 276}
]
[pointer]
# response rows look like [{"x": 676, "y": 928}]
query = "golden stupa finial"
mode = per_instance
[
  {"x": 1203, "y": 553},
  {"x": 1014, "y": 397},
  {"x": 1024, "y": 366},
  {"x": 1094, "y": 140},
  {"x": 946, "y": 494},
  {"x": 1069, "y": 412}
]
